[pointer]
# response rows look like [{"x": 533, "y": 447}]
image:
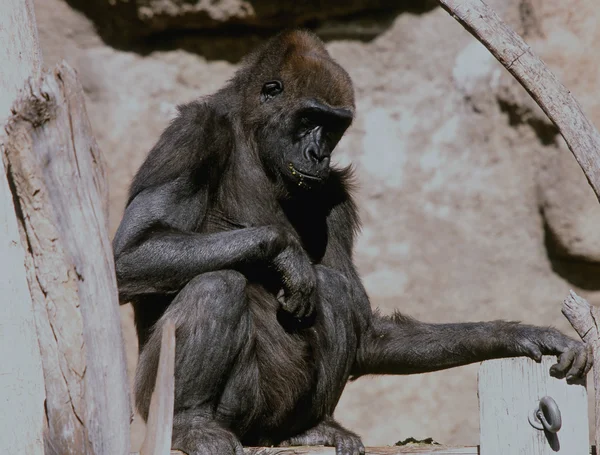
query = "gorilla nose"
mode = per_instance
[{"x": 314, "y": 154}]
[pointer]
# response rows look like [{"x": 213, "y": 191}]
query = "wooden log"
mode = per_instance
[
  {"x": 55, "y": 169},
  {"x": 21, "y": 377},
  {"x": 582, "y": 138},
  {"x": 584, "y": 319},
  {"x": 510, "y": 390},
  {"x": 159, "y": 428},
  {"x": 391, "y": 450}
]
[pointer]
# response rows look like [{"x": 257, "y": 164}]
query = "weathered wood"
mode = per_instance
[
  {"x": 20, "y": 52},
  {"x": 582, "y": 138},
  {"x": 509, "y": 391},
  {"x": 395, "y": 450},
  {"x": 392, "y": 450},
  {"x": 584, "y": 319},
  {"x": 21, "y": 378},
  {"x": 160, "y": 418},
  {"x": 54, "y": 166}
]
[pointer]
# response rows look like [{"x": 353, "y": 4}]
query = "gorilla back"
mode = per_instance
[{"x": 239, "y": 230}]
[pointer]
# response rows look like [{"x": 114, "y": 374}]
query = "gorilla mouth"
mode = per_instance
[{"x": 302, "y": 176}]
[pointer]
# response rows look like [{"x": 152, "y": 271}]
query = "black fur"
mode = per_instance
[{"x": 238, "y": 230}]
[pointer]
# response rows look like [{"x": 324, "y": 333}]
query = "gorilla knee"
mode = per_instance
[
  {"x": 217, "y": 284},
  {"x": 210, "y": 295}
]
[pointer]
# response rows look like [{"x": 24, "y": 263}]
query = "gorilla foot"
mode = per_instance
[
  {"x": 197, "y": 436},
  {"x": 329, "y": 433}
]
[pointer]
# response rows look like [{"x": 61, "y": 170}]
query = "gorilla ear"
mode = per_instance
[{"x": 270, "y": 90}]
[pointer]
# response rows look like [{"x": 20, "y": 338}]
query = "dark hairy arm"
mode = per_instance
[
  {"x": 156, "y": 247},
  {"x": 402, "y": 345},
  {"x": 157, "y": 251}
]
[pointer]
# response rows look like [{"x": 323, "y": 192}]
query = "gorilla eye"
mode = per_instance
[{"x": 271, "y": 89}]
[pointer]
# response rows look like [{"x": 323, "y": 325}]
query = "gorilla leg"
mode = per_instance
[
  {"x": 212, "y": 324},
  {"x": 337, "y": 344}
]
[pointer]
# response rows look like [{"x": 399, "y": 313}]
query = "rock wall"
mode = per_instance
[{"x": 472, "y": 206}]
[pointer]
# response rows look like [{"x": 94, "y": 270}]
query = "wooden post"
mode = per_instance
[
  {"x": 56, "y": 175},
  {"x": 584, "y": 319},
  {"x": 21, "y": 378},
  {"x": 510, "y": 390},
  {"x": 159, "y": 428}
]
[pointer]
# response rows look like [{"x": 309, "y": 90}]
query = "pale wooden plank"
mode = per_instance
[
  {"x": 159, "y": 428},
  {"x": 544, "y": 87},
  {"x": 21, "y": 377},
  {"x": 509, "y": 391},
  {"x": 583, "y": 317},
  {"x": 55, "y": 167}
]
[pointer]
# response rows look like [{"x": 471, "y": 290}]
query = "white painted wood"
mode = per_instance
[
  {"x": 509, "y": 391},
  {"x": 21, "y": 378},
  {"x": 544, "y": 87},
  {"x": 57, "y": 174},
  {"x": 583, "y": 317}
]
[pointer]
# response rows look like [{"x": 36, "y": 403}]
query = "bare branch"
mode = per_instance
[{"x": 582, "y": 138}]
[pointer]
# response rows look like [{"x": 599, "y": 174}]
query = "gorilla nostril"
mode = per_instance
[{"x": 312, "y": 154}]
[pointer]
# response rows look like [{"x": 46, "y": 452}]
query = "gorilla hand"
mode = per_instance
[
  {"x": 574, "y": 357},
  {"x": 299, "y": 281}
]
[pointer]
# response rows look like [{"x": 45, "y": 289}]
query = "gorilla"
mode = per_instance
[{"x": 240, "y": 230}]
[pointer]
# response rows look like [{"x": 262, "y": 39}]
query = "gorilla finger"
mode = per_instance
[
  {"x": 281, "y": 295},
  {"x": 345, "y": 450},
  {"x": 565, "y": 360},
  {"x": 578, "y": 367},
  {"x": 533, "y": 352},
  {"x": 361, "y": 448},
  {"x": 341, "y": 448},
  {"x": 291, "y": 305},
  {"x": 299, "y": 310}
]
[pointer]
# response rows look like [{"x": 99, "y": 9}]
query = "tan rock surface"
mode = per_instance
[{"x": 472, "y": 207}]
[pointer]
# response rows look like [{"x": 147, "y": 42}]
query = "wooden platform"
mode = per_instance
[{"x": 390, "y": 450}]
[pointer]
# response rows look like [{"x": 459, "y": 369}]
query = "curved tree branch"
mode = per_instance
[{"x": 582, "y": 138}]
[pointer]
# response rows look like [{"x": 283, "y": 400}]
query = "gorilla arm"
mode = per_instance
[
  {"x": 402, "y": 345},
  {"x": 156, "y": 249}
]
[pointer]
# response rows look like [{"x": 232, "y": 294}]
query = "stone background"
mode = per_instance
[{"x": 473, "y": 208}]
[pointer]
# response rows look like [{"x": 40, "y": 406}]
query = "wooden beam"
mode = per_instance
[
  {"x": 21, "y": 377},
  {"x": 582, "y": 138},
  {"x": 57, "y": 178}
]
